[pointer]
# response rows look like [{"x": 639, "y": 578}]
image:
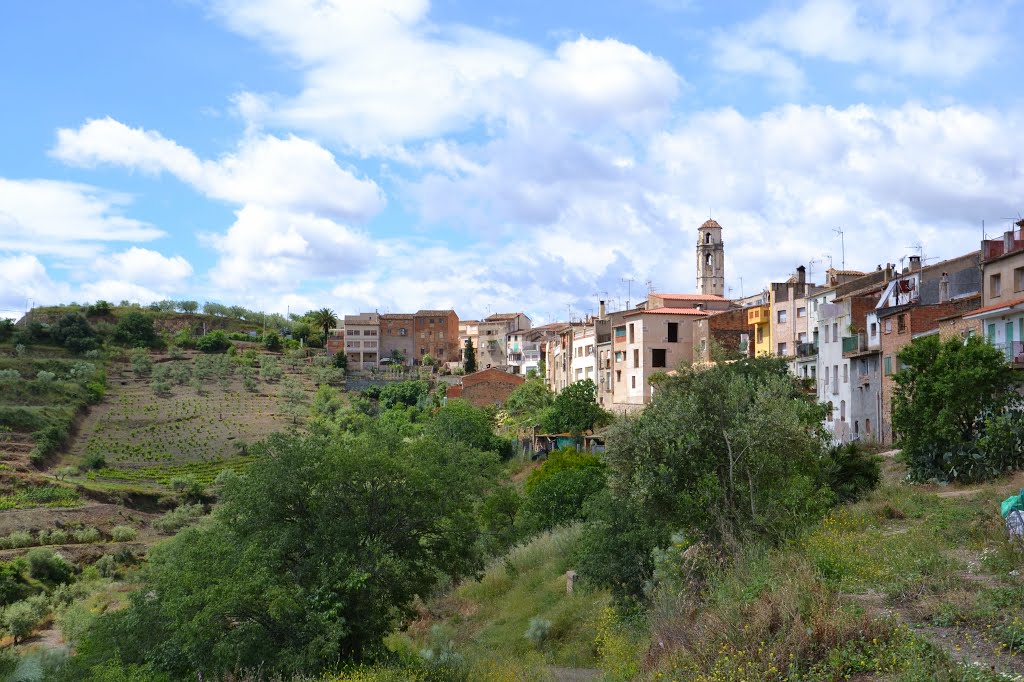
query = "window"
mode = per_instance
[
  {"x": 783, "y": 348},
  {"x": 401, "y": 332},
  {"x": 825, "y": 382},
  {"x": 707, "y": 237},
  {"x": 867, "y": 426},
  {"x": 801, "y": 337},
  {"x": 618, "y": 375},
  {"x": 846, "y": 374},
  {"x": 874, "y": 329},
  {"x": 1018, "y": 279},
  {"x": 673, "y": 332},
  {"x": 781, "y": 316},
  {"x": 888, "y": 326},
  {"x": 888, "y": 365},
  {"x": 760, "y": 334},
  {"x": 842, "y": 410},
  {"x": 423, "y": 351},
  {"x": 995, "y": 285},
  {"x": 835, "y": 378},
  {"x": 856, "y": 427},
  {"x": 901, "y": 324},
  {"x": 801, "y": 313},
  {"x": 620, "y": 356},
  {"x": 354, "y": 332},
  {"x": 831, "y": 410},
  {"x": 835, "y": 332},
  {"x": 703, "y": 345},
  {"x": 633, "y": 381},
  {"x": 636, "y": 357},
  {"x": 658, "y": 357},
  {"x": 631, "y": 334},
  {"x": 824, "y": 334}
]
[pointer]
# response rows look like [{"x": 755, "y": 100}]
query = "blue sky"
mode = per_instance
[{"x": 401, "y": 154}]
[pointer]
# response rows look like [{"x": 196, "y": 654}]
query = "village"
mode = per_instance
[{"x": 840, "y": 337}]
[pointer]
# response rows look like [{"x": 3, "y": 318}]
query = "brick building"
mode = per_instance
[
  {"x": 437, "y": 334},
  {"x": 486, "y": 387},
  {"x": 726, "y": 328},
  {"x": 397, "y": 337}
]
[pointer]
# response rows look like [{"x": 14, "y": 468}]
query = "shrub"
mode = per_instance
[
  {"x": 851, "y": 471},
  {"x": 214, "y": 342},
  {"x": 45, "y": 376},
  {"x": 176, "y": 519},
  {"x": 123, "y": 534},
  {"x": 87, "y": 534},
  {"x": 45, "y": 564},
  {"x": 12, "y": 585},
  {"x": 58, "y": 536},
  {"x": 538, "y": 631},
  {"x": 20, "y": 619},
  {"x": 95, "y": 460},
  {"x": 106, "y": 566},
  {"x": 9, "y": 375},
  {"x": 19, "y": 538},
  {"x": 135, "y": 329}
]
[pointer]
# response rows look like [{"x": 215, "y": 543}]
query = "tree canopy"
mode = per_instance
[
  {"x": 135, "y": 329},
  {"x": 575, "y": 410},
  {"x": 310, "y": 560},
  {"x": 955, "y": 410},
  {"x": 469, "y": 357},
  {"x": 324, "y": 319}
]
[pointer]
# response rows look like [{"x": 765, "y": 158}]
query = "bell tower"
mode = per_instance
[{"x": 710, "y": 259}]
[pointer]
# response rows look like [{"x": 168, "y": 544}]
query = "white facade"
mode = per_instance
[
  {"x": 584, "y": 355},
  {"x": 833, "y": 370},
  {"x": 362, "y": 340}
]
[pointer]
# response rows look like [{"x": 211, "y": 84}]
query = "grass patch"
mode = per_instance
[{"x": 488, "y": 619}]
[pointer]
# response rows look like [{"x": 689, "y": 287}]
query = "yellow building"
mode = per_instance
[{"x": 760, "y": 318}]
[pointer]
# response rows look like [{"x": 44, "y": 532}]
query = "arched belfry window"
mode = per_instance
[{"x": 707, "y": 237}]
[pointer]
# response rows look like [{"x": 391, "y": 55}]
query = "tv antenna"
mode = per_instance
[
  {"x": 842, "y": 245},
  {"x": 629, "y": 289}
]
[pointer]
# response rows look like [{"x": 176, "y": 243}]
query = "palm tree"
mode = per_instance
[{"x": 324, "y": 319}]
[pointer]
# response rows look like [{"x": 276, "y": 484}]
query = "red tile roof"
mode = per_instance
[
  {"x": 671, "y": 311},
  {"x": 998, "y": 306},
  {"x": 689, "y": 297}
]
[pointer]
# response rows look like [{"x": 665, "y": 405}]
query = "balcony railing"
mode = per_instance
[
  {"x": 855, "y": 344},
  {"x": 806, "y": 350},
  {"x": 1014, "y": 352}
]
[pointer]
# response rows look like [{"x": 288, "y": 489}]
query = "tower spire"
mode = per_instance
[{"x": 710, "y": 259}]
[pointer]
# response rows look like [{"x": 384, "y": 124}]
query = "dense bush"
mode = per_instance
[
  {"x": 75, "y": 333},
  {"x": 126, "y": 533},
  {"x": 178, "y": 518},
  {"x": 851, "y": 471},
  {"x": 977, "y": 435},
  {"x": 214, "y": 342},
  {"x": 557, "y": 491},
  {"x": 728, "y": 453},
  {"x": 274, "y": 581},
  {"x": 135, "y": 329},
  {"x": 45, "y": 564}
]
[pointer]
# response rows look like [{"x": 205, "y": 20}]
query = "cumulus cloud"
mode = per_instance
[
  {"x": 920, "y": 38},
  {"x": 147, "y": 268},
  {"x": 65, "y": 219},
  {"x": 285, "y": 173}
]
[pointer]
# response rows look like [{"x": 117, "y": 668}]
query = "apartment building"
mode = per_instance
[
  {"x": 1001, "y": 317},
  {"x": 362, "y": 340},
  {"x": 397, "y": 338},
  {"x": 645, "y": 342},
  {"x": 436, "y": 333}
]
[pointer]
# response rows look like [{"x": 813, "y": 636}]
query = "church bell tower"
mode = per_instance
[{"x": 710, "y": 259}]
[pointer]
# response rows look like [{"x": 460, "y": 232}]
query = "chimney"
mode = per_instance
[
  {"x": 801, "y": 275},
  {"x": 915, "y": 263},
  {"x": 944, "y": 288},
  {"x": 600, "y": 311},
  {"x": 1008, "y": 241}
]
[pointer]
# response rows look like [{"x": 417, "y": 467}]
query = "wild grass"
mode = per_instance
[{"x": 488, "y": 619}]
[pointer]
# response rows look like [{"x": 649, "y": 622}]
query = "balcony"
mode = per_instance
[
  {"x": 854, "y": 345},
  {"x": 806, "y": 350},
  {"x": 759, "y": 315},
  {"x": 1014, "y": 352}
]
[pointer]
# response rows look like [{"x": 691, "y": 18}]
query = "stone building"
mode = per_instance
[
  {"x": 397, "y": 338},
  {"x": 486, "y": 387},
  {"x": 436, "y": 334}
]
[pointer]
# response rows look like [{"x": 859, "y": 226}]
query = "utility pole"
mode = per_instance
[{"x": 842, "y": 244}]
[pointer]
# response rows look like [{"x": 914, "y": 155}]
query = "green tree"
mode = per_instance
[
  {"x": 272, "y": 342},
  {"x": 528, "y": 401},
  {"x": 215, "y": 342},
  {"x": 732, "y": 452},
  {"x": 293, "y": 399},
  {"x": 273, "y": 581},
  {"x": 135, "y": 329},
  {"x": 953, "y": 410},
  {"x": 575, "y": 410},
  {"x": 411, "y": 393},
  {"x": 75, "y": 333},
  {"x": 324, "y": 319},
  {"x": 188, "y": 307},
  {"x": 557, "y": 492},
  {"x": 469, "y": 357},
  {"x": 460, "y": 422},
  {"x": 340, "y": 360},
  {"x": 7, "y": 329}
]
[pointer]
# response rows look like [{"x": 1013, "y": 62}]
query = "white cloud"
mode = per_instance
[
  {"x": 289, "y": 173},
  {"x": 379, "y": 75},
  {"x": 62, "y": 218},
  {"x": 147, "y": 268},
  {"x": 921, "y": 38}
]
